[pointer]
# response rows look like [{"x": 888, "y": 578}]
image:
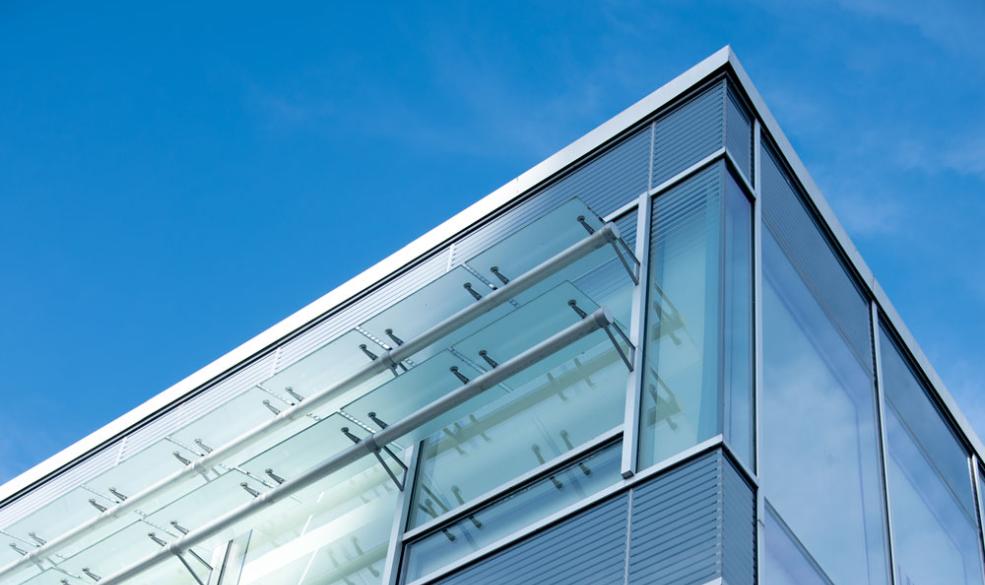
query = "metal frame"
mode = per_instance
[
  {"x": 883, "y": 439},
  {"x": 757, "y": 364},
  {"x": 394, "y": 554}
]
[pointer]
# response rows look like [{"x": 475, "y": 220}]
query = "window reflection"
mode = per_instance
[
  {"x": 933, "y": 507},
  {"x": 820, "y": 465},
  {"x": 785, "y": 561}
]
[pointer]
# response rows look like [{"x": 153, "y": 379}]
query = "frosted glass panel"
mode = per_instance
[
  {"x": 328, "y": 365},
  {"x": 417, "y": 388}
]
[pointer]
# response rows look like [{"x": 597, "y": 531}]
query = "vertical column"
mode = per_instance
[
  {"x": 977, "y": 483},
  {"x": 394, "y": 553},
  {"x": 634, "y": 386},
  {"x": 757, "y": 303},
  {"x": 883, "y": 449}
]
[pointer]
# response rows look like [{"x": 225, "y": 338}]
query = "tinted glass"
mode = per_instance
[
  {"x": 934, "y": 520},
  {"x": 820, "y": 449}
]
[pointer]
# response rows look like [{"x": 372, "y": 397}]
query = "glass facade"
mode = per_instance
[{"x": 575, "y": 376}]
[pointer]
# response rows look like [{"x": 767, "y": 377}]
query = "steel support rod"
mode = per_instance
[
  {"x": 602, "y": 237},
  {"x": 599, "y": 319}
]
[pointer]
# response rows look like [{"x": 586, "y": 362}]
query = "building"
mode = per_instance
[{"x": 655, "y": 357}]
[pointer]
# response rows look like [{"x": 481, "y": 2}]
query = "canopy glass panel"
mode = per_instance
[
  {"x": 556, "y": 405},
  {"x": 293, "y": 456},
  {"x": 199, "y": 507},
  {"x": 127, "y": 546},
  {"x": 12, "y": 549},
  {"x": 330, "y": 364},
  {"x": 420, "y": 386},
  {"x": 234, "y": 418},
  {"x": 65, "y": 513},
  {"x": 143, "y": 469},
  {"x": 340, "y": 534},
  {"x": 428, "y": 306}
]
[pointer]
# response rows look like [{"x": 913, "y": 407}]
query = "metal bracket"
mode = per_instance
[
  {"x": 376, "y": 453},
  {"x": 608, "y": 331}
]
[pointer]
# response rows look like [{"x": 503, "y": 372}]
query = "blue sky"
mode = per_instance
[{"x": 176, "y": 177}]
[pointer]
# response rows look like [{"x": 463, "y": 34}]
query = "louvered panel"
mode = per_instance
[
  {"x": 690, "y": 132},
  {"x": 356, "y": 313},
  {"x": 738, "y": 528},
  {"x": 605, "y": 183},
  {"x": 675, "y": 526},
  {"x": 812, "y": 254},
  {"x": 588, "y": 548},
  {"x": 738, "y": 133}
]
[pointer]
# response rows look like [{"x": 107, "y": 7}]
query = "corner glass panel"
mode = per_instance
[
  {"x": 518, "y": 510},
  {"x": 697, "y": 356},
  {"x": 935, "y": 529},
  {"x": 820, "y": 434}
]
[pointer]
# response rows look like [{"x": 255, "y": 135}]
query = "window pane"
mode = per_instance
[
  {"x": 520, "y": 509},
  {"x": 699, "y": 313},
  {"x": 934, "y": 527},
  {"x": 785, "y": 562},
  {"x": 680, "y": 392},
  {"x": 820, "y": 449},
  {"x": 737, "y": 323}
]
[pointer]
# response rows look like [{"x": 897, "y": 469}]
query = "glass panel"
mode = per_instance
[
  {"x": 128, "y": 546},
  {"x": 567, "y": 399},
  {"x": 66, "y": 513},
  {"x": 429, "y": 306},
  {"x": 539, "y": 241},
  {"x": 737, "y": 323},
  {"x": 52, "y": 577},
  {"x": 681, "y": 384},
  {"x": 417, "y": 388},
  {"x": 12, "y": 549},
  {"x": 786, "y": 562},
  {"x": 234, "y": 418},
  {"x": 519, "y": 509},
  {"x": 143, "y": 469},
  {"x": 820, "y": 434},
  {"x": 289, "y": 459},
  {"x": 330, "y": 364},
  {"x": 198, "y": 508},
  {"x": 339, "y": 535},
  {"x": 934, "y": 527}
]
